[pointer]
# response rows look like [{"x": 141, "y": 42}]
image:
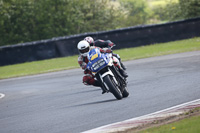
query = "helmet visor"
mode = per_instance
[{"x": 82, "y": 51}]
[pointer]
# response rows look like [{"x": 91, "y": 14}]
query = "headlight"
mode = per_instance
[
  {"x": 96, "y": 67},
  {"x": 93, "y": 65},
  {"x": 102, "y": 63}
]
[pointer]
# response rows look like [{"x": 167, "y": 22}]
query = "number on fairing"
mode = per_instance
[{"x": 94, "y": 56}]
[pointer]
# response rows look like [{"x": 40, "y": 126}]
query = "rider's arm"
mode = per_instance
[
  {"x": 82, "y": 64},
  {"x": 104, "y": 44},
  {"x": 105, "y": 50},
  {"x": 102, "y": 50},
  {"x": 110, "y": 44}
]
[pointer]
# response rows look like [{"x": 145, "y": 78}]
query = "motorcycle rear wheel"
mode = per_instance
[{"x": 125, "y": 92}]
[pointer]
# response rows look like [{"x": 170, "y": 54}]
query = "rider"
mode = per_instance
[
  {"x": 103, "y": 44},
  {"x": 89, "y": 79}
]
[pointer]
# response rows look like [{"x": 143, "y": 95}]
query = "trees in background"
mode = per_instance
[
  {"x": 188, "y": 8},
  {"x": 136, "y": 12},
  {"x": 31, "y": 20},
  {"x": 183, "y": 9}
]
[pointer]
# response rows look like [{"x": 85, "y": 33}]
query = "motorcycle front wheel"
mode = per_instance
[{"x": 113, "y": 87}]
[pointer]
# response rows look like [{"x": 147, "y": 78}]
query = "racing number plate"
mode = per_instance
[{"x": 94, "y": 56}]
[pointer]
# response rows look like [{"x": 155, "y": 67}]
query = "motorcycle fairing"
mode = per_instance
[{"x": 97, "y": 61}]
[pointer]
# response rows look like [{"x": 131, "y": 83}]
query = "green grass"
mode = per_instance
[
  {"x": 64, "y": 63},
  {"x": 38, "y": 67},
  {"x": 160, "y": 49},
  {"x": 188, "y": 125}
]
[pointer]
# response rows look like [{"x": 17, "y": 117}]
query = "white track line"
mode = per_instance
[
  {"x": 2, "y": 95},
  {"x": 119, "y": 126}
]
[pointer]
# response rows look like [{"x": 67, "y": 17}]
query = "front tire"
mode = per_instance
[{"x": 113, "y": 87}]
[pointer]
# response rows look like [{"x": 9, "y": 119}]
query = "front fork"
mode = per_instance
[
  {"x": 103, "y": 84},
  {"x": 121, "y": 80}
]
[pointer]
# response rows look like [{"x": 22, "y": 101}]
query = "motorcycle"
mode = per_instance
[{"x": 102, "y": 66}]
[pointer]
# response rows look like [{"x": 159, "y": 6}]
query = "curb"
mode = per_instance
[{"x": 146, "y": 119}]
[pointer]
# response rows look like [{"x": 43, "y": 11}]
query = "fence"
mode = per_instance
[{"x": 124, "y": 38}]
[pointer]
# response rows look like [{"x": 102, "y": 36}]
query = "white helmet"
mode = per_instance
[
  {"x": 90, "y": 40},
  {"x": 83, "y": 47}
]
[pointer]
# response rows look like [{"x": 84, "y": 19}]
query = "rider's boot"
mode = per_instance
[
  {"x": 97, "y": 84},
  {"x": 123, "y": 73},
  {"x": 122, "y": 65},
  {"x": 117, "y": 63}
]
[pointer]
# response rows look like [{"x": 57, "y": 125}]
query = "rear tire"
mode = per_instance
[
  {"x": 125, "y": 92},
  {"x": 113, "y": 87}
]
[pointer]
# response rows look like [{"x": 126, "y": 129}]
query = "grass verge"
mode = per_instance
[
  {"x": 188, "y": 125},
  {"x": 64, "y": 63}
]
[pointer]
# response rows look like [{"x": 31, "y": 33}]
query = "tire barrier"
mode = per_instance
[{"x": 124, "y": 38}]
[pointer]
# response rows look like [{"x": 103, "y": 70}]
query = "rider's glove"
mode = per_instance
[
  {"x": 111, "y": 45},
  {"x": 106, "y": 50},
  {"x": 86, "y": 71},
  {"x": 83, "y": 65}
]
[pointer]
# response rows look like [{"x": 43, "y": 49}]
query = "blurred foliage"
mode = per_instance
[
  {"x": 136, "y": 12},
  {"x": 173, "y": 10},
  {"x": 31, "y": 20}
]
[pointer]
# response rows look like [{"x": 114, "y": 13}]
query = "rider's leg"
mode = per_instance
[
  {"x": 121, "y": 70},
  {"x": 118, "y": 57},
  {"x": 88, "y": 80}
]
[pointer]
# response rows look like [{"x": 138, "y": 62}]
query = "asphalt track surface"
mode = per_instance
[{"x": 58, "y": 102}]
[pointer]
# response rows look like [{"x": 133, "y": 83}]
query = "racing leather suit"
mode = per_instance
[
  {"x": 103, "y": 44},
  {"x": 89, "y": 78},
  {"x": 107, "y": 44}
]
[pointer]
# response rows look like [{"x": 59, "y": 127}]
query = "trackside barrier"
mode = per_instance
[{"x": 124, "y": 38}]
